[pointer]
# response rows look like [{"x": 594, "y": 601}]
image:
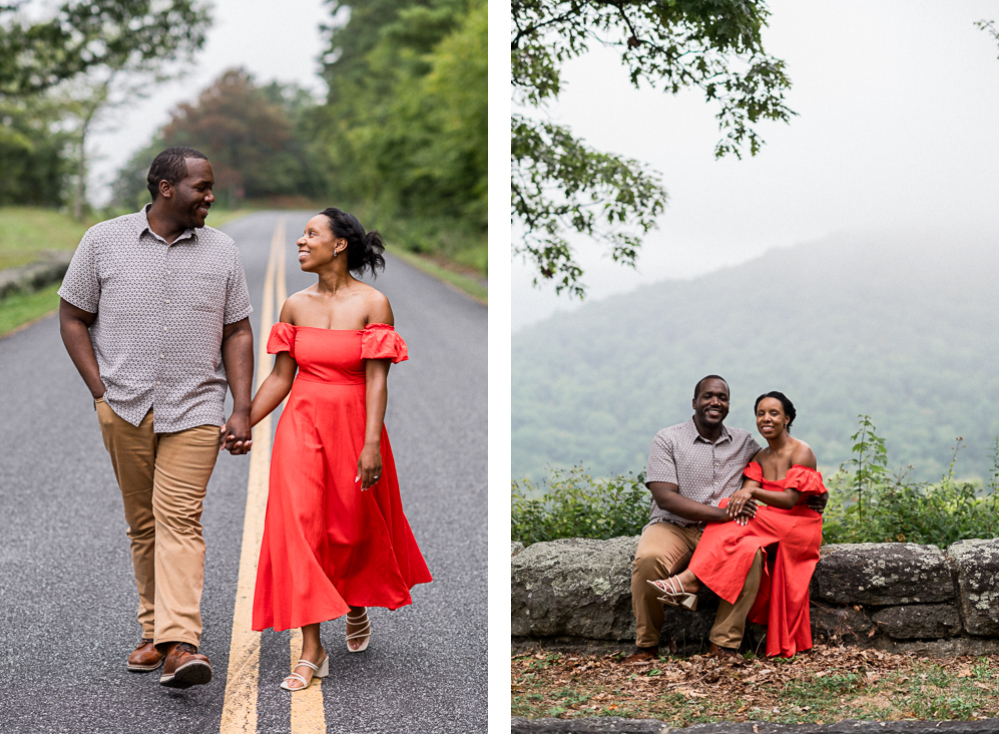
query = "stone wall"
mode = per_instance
[
  {"x": 893, "y": 596},
  {"x": 37, "y": 275}
]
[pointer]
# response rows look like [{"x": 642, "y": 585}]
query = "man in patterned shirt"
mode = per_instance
[
  {"x": 154, "y": 313},
  {"x": 692, "y": 466}
]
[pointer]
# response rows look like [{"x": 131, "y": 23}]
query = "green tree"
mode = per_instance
[
  {"x": 559, "y": 184},
  {"x": 443, "y": 118},
  {"x": 990, "y": 27},
  {"x": 128, "y": 189},
  {"x": 379, "y": 58},
  {"x": 246, "y": 136},
  {"x": 88, "y": 56},
  {"x": 82, "y": 35},
  {"x": 248, "y": 133},
  {"x": 32, "y": 145},
  {"x": 404, "y": 127}
]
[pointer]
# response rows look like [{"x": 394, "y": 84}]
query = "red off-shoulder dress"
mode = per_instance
[
  {"x": 327, "y": 545},
  {"x": 725, "y": 551}
]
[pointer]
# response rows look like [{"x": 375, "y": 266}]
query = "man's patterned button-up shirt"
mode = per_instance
[
  {"x": 160, "y": 312},
  {"x": 703, "y": 471}
]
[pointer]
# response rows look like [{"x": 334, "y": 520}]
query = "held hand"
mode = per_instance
[
  {"x": 817, "y": 502},
  {"x": 236, "y": 434},
  {"x": 369, "y": 466},
  {"x": 740, "y": 501},
  {"x": 747, "y": 514}
]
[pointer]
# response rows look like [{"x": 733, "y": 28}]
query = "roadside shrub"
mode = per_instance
[
  {"x": 870, "y": 505},
  {"x": 571, "y": 504}
]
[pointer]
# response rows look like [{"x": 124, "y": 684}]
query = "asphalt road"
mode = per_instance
[{"x": 67, "y": 597}]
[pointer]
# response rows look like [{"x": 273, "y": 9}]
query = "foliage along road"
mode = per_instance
[{"x": 67, "y": 597}]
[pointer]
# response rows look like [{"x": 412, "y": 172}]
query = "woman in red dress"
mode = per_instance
[
  {"x": 335, "y": 538},
  {"x": 779, "y": 477}
]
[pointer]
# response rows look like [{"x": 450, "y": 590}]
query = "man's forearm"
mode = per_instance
[
  {"x": 75, "y": 335},
  {"x": 237, "y": 357},
  {"x": 694, "y": 511},
  {"x": 672, "y": 501}
]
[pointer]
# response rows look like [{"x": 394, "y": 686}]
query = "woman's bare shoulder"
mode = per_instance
[
  {"x": 803, "y": 455},
  {"x": 377, "y": 306},
  {"x": 294, "y": 305}
]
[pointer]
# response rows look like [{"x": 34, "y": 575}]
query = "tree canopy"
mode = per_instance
[
  {"x": 249, "y": 133},
  {"x": 60, "y": 68},
  {"x": 404, "y": 127},
  {"x": 400, "y": 138},
  {"x": 559, "y": 184},
  {"x": 82, "y": 35}
]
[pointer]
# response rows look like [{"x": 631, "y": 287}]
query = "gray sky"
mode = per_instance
[
  {"x": 272, "y": 40},
  {"x": 897, "y": 127}
]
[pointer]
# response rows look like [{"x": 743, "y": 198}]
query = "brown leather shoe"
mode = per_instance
[
  {"x": 722, "y": 652},
  {"x": 145, "y": 657},
  {"x": 185, "y": 667},
  {"x": 642, "y": 655}
]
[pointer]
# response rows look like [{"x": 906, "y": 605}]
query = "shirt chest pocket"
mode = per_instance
[{"x": 208, "y": 293}]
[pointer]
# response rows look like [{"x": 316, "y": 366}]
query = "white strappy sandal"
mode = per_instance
[
  {"x": 674, "y": 593},
  {"x": 319, "y": 671},
  {"x": 365, "y": 632}
]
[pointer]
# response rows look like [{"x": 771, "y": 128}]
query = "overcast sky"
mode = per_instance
[
  {"x": 272, "y": 40},
  {"x": 897, "y": 124}
]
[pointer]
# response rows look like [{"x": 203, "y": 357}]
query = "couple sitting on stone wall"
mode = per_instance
[{"x": 742, "y": 520}]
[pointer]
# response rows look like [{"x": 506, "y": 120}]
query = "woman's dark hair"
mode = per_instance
[
  {"x": 786, "y": 405},
  {"x": 364, "y": 249}
]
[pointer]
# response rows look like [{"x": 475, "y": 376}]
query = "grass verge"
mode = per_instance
[
  {"x": 26, "y": 232},
  {"x": 449, "y": 249},
  {"x": 437, "y": 268},
  {"x": 219, "y": 217},
  {"x": 823, "y": 685},
  {"x": 21, "y": 309}
]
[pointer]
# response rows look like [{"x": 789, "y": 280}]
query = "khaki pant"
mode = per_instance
[
  {"x": 162, "y": 477},
  {"x": 664, "y": 550}
]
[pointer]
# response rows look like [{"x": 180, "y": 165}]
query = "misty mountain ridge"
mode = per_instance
[{"x": 902, "y": 327}]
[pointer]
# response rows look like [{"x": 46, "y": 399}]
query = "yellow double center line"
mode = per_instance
[{"x": 239, "y": 712}]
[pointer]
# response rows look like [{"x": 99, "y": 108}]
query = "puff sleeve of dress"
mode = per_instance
[
  {"x": 805, "y": 480},
  {"x": 282, "y": 339},
  {"x": 754, "y": 472},
  {"x": 380, "y": 341}
]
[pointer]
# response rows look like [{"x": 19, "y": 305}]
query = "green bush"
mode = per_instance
[
  {"x": 570, "y": 504},
  {"x": 869, "y": 505}
]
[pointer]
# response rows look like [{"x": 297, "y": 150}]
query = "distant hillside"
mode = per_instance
[{"x": 903, "y": 328}]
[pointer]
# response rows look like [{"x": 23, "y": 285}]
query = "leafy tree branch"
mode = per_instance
[
  {"x": 139, "y": 34},
  {"x": 990, "y": 27},
  {"x": 671, "y": 44},
  {"x": 559, "y": 183}
]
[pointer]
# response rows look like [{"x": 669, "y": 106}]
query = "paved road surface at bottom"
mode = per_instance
[{"x": 67, "y": 596}]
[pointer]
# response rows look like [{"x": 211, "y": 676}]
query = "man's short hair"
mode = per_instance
[
  {"x": 697, "y": 388},
  {"x": 170, "y": 166}
]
